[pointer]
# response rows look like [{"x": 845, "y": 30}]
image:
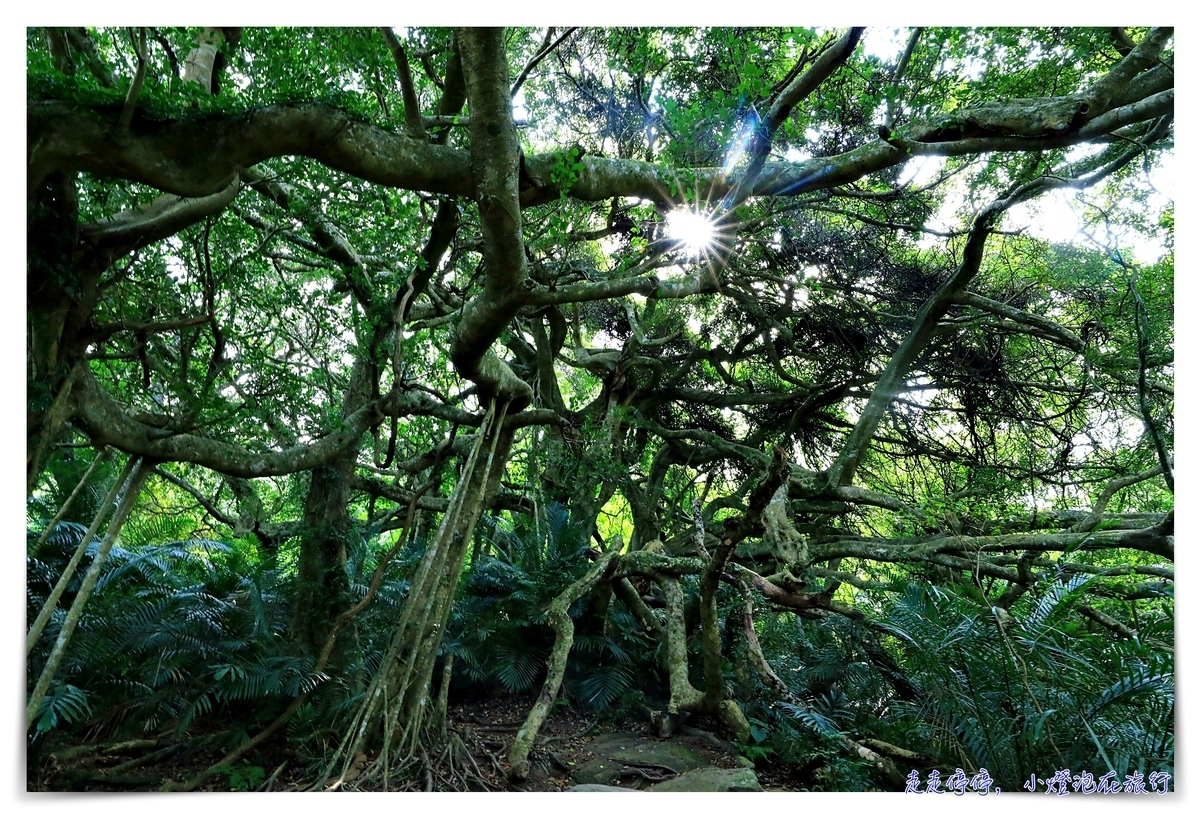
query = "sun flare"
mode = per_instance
[{"x": 695, "y": 231}]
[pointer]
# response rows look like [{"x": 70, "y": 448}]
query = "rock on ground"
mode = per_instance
[
  {"x": 616, "y": 752},
  {"x": 712, "y": 779}
]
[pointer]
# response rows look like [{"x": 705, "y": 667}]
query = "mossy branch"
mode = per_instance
[{"x": 556, "y": 665}]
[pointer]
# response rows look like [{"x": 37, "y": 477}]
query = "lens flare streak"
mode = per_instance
[{"x": 740, "y": 143}]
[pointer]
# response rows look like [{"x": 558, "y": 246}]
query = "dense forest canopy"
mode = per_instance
[{"x": 713, "y": 374}]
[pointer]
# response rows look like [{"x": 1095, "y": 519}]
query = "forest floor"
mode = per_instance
[{"x": 573, "y": 747}]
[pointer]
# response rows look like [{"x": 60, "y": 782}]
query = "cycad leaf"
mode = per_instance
[
  {"x": 1141, "y": 682},
  {"x": 517, "y": 667},
  {"x": 600, "y": 685}
]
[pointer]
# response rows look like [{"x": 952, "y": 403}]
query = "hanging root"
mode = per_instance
[
  {"x": 132, "y": 490},
  {"x": 393, "y": 708},
  {"x": 326, "y": 650},
  {"x": 441, "y": 709}
]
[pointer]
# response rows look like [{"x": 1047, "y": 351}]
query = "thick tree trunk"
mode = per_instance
[
  {"x": 61, "y": 297},
  {"x": 200, "y": 66},
  {"x": 65, "y": 264},
  {"x": 322, "y": 585}
]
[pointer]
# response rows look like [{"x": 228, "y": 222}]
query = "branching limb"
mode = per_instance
[
  {"x": 898, "y": 75},
  {"x": 495, "y": 159},
  {"x": 63, "y": 137},
  {"x": 1155, "y": 540},
  {"x": 1144, "y": 55},
  {"x": 546, "y": 48},
  {"x": 109, "y": 423},
  {"x": 781, "y": 690},
  {"x": 82, "y": 42},
  {"x": 123, "y": 232},
  {"x": 1143, "y": 330},
  {"x": 1060, "y": 334},
  {"x": 634, "y": 602},
  {"x": 412, "y": 108},
  {"x": 145, "y": 327},
  {"x": 199, "y": 496},
  {"x": 1121, "y": 630},
  {"x": 138, "y": 39},
  {"x": 891, "y": 381},
  {"x": 1092, "y": 520},
  {"x": 556, "y": 665},
  {"x": 760, "y": 145}
]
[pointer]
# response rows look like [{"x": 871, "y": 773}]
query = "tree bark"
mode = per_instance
[
  {"x": 393, "y": 711},
  {"x": 322, "y": 586},
  {"x": 564, "y": 636},
  {"x": 200, "y": 65}
]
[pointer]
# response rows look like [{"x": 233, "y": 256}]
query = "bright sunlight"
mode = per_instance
[{"x": 695, "y": 230}]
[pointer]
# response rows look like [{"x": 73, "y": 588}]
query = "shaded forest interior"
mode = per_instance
[{"x": 719, "y": 385}]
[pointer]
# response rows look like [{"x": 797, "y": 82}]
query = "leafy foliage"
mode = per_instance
[
  {"x": 499, "y": 632},
  {"x": 173, "y": 633},
  {"x": 1026, "y": 696},
  {"x": 972, "y": 559}
]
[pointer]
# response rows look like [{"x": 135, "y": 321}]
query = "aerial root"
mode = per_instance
[{"x": 448, "y": 766}]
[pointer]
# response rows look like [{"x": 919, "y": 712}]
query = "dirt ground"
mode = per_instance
[{"x": 567, "y": 742}]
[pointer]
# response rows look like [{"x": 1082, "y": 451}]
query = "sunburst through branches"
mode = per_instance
[
  {"x": 702, "y": 225},
  {"x": 694, "y": 230}
]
